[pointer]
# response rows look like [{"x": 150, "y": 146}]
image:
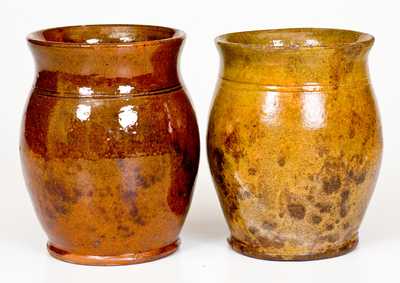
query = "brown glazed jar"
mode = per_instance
[
  {"x": 109, "y": 142},
  {"x": 294, "y": 141}
]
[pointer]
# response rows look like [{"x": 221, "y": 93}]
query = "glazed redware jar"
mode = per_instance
[
  {"x": 109, "y": 142},
  {"x": 294, "y": 141}
]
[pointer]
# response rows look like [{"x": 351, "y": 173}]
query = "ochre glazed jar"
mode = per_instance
[
  {"x": 294, "y": 141},
  {"x": 109, "y": 142}
]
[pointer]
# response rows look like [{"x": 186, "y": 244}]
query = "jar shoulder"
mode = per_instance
[
  {"x": 142, "y": 125},
  {"x": 308, "y": 108},
  {"x": 250, "y": 117}
]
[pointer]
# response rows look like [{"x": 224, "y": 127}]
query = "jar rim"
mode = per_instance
[
  {"x": 105, "y": 35},
  {"x": 295, "y": 39}
]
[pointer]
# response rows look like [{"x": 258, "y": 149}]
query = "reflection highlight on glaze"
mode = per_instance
[
  {"x": 311, "y": 42},
  {"x": 126, "y": 39},
  {"x": 270, "y": 107},
  {"x": 277, "y": 43},
  {"x": 83, "y": 112},
  {"x": 92, "y": 41},
  {"x": 127, "y": 117},
  {"x": 125, "y": 89},
  {"x": 242, "y": 185},
  {"x": 86, "y": 91},
  {"x": 313, "y": 110},
  {"x": 170, "y": 129}
]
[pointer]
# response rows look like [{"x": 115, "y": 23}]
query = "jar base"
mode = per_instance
[
  {"x": 124, "y": 259},
  {"x": 262, "y": 252}
]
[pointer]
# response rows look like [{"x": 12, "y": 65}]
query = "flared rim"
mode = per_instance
[
  {"x": 295, "y": 38},
  {"x": 104, "y": 35}
]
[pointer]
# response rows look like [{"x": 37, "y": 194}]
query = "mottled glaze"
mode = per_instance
[
  {"x": 109, "y": 142},
  {"x": 294, "y": 141}
]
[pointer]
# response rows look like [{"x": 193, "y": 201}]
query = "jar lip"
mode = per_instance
[
  {"x": 105, "y": 35},
  {"x": 288, "y": 39}
]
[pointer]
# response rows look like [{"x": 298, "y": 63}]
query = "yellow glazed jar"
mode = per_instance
[{"x": 294, "y": 141}]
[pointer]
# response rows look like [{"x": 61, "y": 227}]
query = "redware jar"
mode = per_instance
[
  {"x": 294, "y": 141},
  {"x": 109, "y": 142}
]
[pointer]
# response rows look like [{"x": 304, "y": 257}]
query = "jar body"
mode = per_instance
[
  {"x": 110, "y": 176},
  {"x": 294, "y": 165}
]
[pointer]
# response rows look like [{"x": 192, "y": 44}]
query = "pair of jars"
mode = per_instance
[{"x": 110, "y": 143}]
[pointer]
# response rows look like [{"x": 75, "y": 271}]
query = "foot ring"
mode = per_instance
[
  {"x": 124, "y": 259},
  {"x": 262, "y": 252}
]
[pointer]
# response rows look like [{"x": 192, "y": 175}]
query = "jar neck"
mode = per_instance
[
  {"x": 297, "y": 67},
  {"x": 107, "y": 70}
]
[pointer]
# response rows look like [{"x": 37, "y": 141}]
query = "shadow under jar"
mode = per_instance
[
  {"x": 109, "y": 142},
  {"x": 294, "y": 141}
]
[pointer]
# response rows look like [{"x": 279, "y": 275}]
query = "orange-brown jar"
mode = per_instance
[
  {"x": 109, "y": 142},
  {"x": 294, "y": 141}
]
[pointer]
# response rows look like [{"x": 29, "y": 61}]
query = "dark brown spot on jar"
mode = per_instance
[
  {"x": 134, "y": 213},
  {"x": 253, "y": 230},
  {"x": 331, "y": 238},
  {"x": 332, "y": 184},
  {"x": 50, "y": 215},
  {"x": 268, "y": 225},
  {"x": 330, "y": 227},
  {"x": 232, "y": 208},
  {"x": 273, "y": 243},
  {"x": 323, "y": 207},
  {"x": 296, "y": 211},
  {"x": 282, "y": 161},
  {"x": 358, "y": 178},
  {"x": 352, "y": 133},
  {"x": 315, "y": 219},
  {"x": 124, "y": 231},
  {"x": 322, "y": 151},
  {"x": 219, "y": 158},
  {"x": 140, "y": 181},
  {"x": 357, "y": 159},
  {"x": 129, "y": 197},
  {"x": 344, "y": 197},
  {"x": 60, "y": 192},
  {"x": 146, "y": 181},
  {"x": 243, "y": 195},
  {"x": 232, "y": 145},
  {"x": 219, "y": 161},
  {"x": 182, "y": 182},
  {"x": 177, "y": 148},
  {"x": 252, "y": 171},
  {"x": 60, "y": 208}
]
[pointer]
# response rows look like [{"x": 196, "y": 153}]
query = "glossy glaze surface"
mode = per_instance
[
  {"x": 294, "y": 141},
  {"x": 109, "y": 142}
]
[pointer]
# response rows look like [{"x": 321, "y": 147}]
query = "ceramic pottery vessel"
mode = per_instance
[
  {"x": 294, "y": 141},
  {"x": 109, "y": 143}
]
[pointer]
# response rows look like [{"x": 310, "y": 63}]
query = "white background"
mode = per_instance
[{"x": 204, "y": 255}]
